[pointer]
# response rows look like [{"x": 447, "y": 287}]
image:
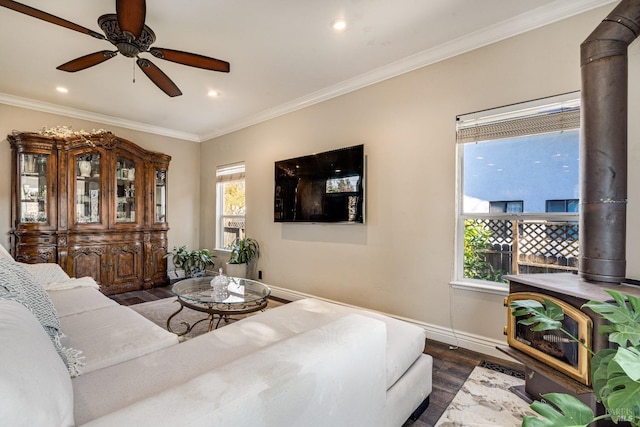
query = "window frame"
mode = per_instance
[
  {"x": 225, "y": 175},
  {"x": 477, "y": 127}
]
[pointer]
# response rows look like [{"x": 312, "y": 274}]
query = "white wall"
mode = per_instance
[
  {"x": 184, "y": 170},
  {"x": 401, "y": 261}
]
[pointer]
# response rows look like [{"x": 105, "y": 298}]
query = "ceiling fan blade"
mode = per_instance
[
  {"x": 191, "y": 59},
  {"x": 158, "y": 77},
  {"x": 87, "y": 61},
  {"x": 35, "y": 13},
  {"x": 131, "y": 15}
]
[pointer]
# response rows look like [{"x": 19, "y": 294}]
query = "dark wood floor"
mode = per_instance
[
  {"x": 137, "y": 297},
  {"x": 451, "y": 366}
]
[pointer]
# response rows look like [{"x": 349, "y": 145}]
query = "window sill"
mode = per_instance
[{"x": 488, "y": 288}]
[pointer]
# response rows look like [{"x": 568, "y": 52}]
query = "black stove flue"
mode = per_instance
[{"x": 603, "y": 146}]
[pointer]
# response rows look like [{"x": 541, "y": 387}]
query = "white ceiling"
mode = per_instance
[{"x": 283, "y": 55}]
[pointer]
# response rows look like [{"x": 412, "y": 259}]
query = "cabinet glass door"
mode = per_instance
[
  {"x": 33, "y": 188},
  {"x": 88, "y": 188},
  {"x": 160, "y": 195},
  {"x": 125, "y": 190}
]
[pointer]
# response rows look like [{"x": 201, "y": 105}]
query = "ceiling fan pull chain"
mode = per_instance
[{"x": 134, "y": 72}]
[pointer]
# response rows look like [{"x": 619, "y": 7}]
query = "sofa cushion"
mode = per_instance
[
  {"x": 113, "y": 334},
  {"x": 405, "y": 342},
  {"x": 46, "y": 273},
  {"x": 77, "y": 300},
  {"x": 34, "y": 382},
  {"x": 20, "y": 285},
  {"x": 98, "y": 393},
  {"x": 333, "y": 375}
]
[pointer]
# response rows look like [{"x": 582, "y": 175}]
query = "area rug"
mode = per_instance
[
  {"x": 485, "y": 400},
  {"x": 159, "y": 311}
]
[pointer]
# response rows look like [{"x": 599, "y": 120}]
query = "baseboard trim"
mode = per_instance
[{"x": 477, "y": 343}]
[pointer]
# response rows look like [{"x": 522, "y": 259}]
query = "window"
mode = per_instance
[
  {"x": 518, "y": 191},
  {"x": 230, "y": 205},
  {"x": 566, "y": 205},
  {"x": 512, "y": 206}
]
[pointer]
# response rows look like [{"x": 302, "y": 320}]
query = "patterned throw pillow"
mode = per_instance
[{"x": 16, "y": 283}]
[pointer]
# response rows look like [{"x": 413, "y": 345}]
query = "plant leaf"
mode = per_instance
[
  {"x": 621, "y": 395},
  {"x": 567, "y": 411},
  {"x": 625, "y": 319},
  {"x": 599, "y": 370},
  {"x": 623, "y": 333},
  {"x": 545, "y": 317},
  {"x": 629, "y": 360}
]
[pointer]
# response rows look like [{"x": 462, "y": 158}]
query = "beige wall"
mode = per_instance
[
  {"x": 401, "y": 261},
  {"x": 184, "y": 177}
]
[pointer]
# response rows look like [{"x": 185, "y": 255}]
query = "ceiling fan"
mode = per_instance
[{"x": 127, "y": 31}]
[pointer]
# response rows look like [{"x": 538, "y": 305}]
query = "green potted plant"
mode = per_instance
[
  {"x": 243, "y": 251},
  {"x": 193, "y": 262},
  {"x": 615, "y": 372}
]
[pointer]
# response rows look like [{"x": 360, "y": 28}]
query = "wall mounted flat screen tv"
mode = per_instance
[{"x": 326, "y": 187}]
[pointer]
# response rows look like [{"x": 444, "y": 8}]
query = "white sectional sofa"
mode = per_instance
[{"x": 306, "y": 363}]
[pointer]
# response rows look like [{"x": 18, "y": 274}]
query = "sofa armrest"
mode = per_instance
[{"x": 332, "y": 375}]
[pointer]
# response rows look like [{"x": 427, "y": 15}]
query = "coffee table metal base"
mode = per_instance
[{"x": 223, "y": 311}]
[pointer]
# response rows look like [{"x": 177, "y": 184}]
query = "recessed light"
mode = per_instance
[
  {"x": 339, "y": 24},
  {"x": 62, "y": 89},
  {"x": 213, "y": 93}
]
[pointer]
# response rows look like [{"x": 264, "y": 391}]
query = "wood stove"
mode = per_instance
[
  {"x": 554, "y": 348},
  {"x": 552, "y": 364}
]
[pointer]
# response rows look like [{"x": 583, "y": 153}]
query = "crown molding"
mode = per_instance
[
  {"x": 544, "y": 15},
  {"x": 46, "y": 107}
]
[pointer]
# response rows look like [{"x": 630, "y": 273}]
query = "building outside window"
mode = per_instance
[
  {"x": 518, "y": 169},
  {"x": 565, "y": 205},
  {"x": 230, "y": 205},
  {"x": 507, "y": 206}
]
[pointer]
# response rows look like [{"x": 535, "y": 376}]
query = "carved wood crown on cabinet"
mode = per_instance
[{"x": 95, "y": 204}]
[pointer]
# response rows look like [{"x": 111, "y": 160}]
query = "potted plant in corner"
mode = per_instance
[
  {"x": 193, "y": 263},
  {"x": 243, "y": 250}
]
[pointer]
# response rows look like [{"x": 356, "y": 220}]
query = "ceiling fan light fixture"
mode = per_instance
[
  {"x": 122, "y": 40},
  {"x": 129, "y": 50}
]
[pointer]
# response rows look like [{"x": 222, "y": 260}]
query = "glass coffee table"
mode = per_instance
[{"x": 238, "y": 296}]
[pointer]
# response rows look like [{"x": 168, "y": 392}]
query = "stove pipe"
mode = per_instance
[{"x": 603, "y": 146}]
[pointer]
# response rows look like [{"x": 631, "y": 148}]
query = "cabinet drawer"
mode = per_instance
[
  {"x": 36, "y": 254},
  {"x": 38, "y": 240},
  {"x": 126, "y": 237}
]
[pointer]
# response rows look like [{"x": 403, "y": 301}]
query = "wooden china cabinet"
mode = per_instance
[{"x": 93, "y": 203}]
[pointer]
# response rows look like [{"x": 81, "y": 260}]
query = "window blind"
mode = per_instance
[
  {"x": 542, "y": 116},
  {"x": 230, "y": 173}
]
